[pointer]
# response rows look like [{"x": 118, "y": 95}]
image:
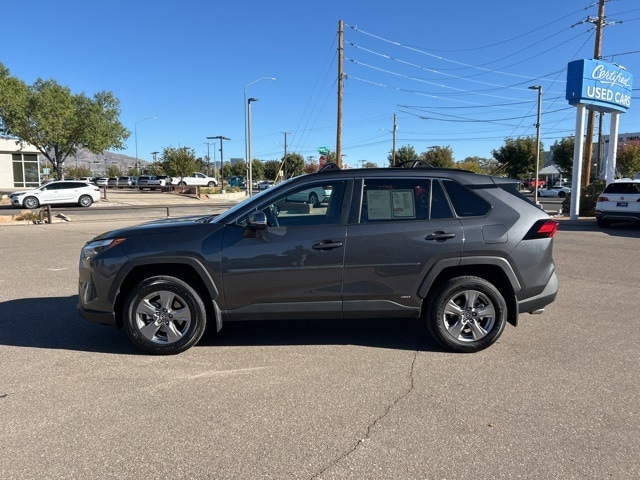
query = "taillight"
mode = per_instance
[
  {"x": 542, "y": 229},
  {"x": 603, "y": 199}
]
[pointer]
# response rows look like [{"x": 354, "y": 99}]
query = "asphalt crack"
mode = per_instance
[{"x": 378, "y": 419}]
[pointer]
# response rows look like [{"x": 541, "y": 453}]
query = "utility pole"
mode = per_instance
[
  {"x": 597, "y": 54},
  {"x": 395, "y": 127},
  {"x": 340, "y": 78},
  {"x": 284, "y": 159}
]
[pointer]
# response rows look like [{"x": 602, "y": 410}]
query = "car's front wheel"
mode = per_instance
[
  {"x": 164, "y": 315},
  {"x": 31, "y": 202},
  {"x": 467, "y": 314},
  {"x": 313, "y": 199},
  {"x": 85, "y": 201}
]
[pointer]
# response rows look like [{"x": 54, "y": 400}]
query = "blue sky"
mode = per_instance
[{"x": 455, "y": 73}]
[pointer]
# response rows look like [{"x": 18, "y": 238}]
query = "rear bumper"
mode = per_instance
[
  {"x": 105, "y": 318},
  {"x": 547, "y": 296},
  {"x": 618, "y": 216}
]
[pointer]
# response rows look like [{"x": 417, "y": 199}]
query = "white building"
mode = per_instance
[{"x": 19, "y": 164}]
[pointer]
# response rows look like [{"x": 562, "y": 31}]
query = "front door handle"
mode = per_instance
[
  {"x": 440, "y": 236},
  {"x": 327, "y": 245}
]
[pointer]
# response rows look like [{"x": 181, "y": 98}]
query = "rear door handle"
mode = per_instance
[
  {"x": 327, "y": 245},
  {"x": 440, "y": 236}
]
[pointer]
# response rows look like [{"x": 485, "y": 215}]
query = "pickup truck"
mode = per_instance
[
  {"x": 151, "y": 182},
  {"x": 195, "y": 179}
]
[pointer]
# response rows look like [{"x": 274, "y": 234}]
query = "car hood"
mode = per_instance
[
  {"x": 165, "y": 225},
  {"x": 20, "y": 192}
]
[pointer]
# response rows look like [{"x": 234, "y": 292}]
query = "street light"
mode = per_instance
[
  {"x": 245, "y": 107},
  {"x": 221, "y": 138},
  {"x": 539, "y": 89},
  {"x": 135, "y": 128},
  {"x": 249, "y": 166}
]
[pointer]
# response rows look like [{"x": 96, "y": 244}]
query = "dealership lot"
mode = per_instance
[{"x": 556, "y": 397}]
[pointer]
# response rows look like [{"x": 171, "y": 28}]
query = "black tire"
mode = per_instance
[
  {"x": 211, "y": 184},
  {"x": 85, "y": 201},
  {"x": 31, "y": 202},
  {"x": 313, "y": 199},
  {"x": 164, "y": 316},
  {"x": 562, "y": 194},
  {"x": 467, "y": 314},
  {"x": 601, "y": 223}
]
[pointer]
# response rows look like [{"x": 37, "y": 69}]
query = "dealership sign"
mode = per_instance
[{"x": 599, "y": 85}]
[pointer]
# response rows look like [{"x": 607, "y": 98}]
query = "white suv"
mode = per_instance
[
  {"x": 619, "y": 202},
  {"x": 57, "y": 193}
]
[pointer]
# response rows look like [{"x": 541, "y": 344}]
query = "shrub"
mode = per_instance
[{"x": 588, "y": 199}]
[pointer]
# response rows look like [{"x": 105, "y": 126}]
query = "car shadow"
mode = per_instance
[
  {"x": 397, "y": 334},
  {"x": 53, "y": 323},
  {"x": 621, "y": 229}
]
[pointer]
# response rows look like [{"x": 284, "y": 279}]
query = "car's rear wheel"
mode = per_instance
[
  {"x": 211, "y": 184},
  {"x": 467, "y": 314},
  {"x": 164, "y": 315},
  {"x": 31, "y": 202},
  {"x": 85, "y": 201}
]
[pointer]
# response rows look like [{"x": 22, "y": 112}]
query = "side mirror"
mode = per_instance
[{"x": 257, "y": 220}]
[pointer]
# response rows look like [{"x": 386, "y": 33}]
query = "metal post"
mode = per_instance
[
  {"x": 535, "y": 192},
  {"x": 249, "y": 167}
]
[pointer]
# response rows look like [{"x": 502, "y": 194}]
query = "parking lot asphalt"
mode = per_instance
[{"x": 556, "y": 397}]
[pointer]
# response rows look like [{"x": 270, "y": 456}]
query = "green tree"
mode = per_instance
[
  {"x": 628, "y": 158},
  {"x": 403, "y": 154},
  {"x": 239, "y": 168},
  {"x": 57, "y": 122},
  {"x": 271, "y": 169},
  {"x": 479, "y": 165},
  {"x": 257, "y": 169},
  {"x": 78, "y": 172},
  {"x": 469, "y": 164},
  {"x": 178, "y": 162},
  {"x": 562, "y": 154},
  {"x": 437, "y": 156},
  {"x": 517, "y": 157},
  {"x": 369, "y": 165},
  {"x": 294, "y": 165}
]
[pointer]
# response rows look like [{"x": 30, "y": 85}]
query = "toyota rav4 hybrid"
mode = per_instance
[{"x": 464, "y": 253}]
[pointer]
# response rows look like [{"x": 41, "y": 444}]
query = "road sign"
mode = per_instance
[{"x": 323, "y": 150}]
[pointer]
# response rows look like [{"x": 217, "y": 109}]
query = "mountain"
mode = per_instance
[{"x": 98, "y": 162}]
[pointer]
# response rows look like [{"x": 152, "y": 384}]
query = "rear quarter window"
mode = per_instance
[{"x": 466, "y": 203}]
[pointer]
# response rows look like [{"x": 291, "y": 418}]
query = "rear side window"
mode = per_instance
[
  {"x": 465, "y": 202},
  {"x": 403, "y": 199}
]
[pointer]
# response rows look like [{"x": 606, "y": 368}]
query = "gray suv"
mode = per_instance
[{"x": 464, "y": 252}]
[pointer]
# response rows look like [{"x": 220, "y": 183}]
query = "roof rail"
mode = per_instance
[
  {"x": 413, "y": 164},
  {"x": 328, "y": 167}
]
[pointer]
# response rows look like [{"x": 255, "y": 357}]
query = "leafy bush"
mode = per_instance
[{"x": 588, "y": 199}]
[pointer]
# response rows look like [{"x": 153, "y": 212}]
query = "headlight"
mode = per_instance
[{"x": 92, "y": 249}]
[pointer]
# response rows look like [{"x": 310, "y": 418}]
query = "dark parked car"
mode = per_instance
[{"x": 466, "y": 253}]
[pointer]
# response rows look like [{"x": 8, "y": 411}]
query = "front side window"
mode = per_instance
[
  {"x": 403, "y": 199},
  {"x": 312, "y": 204}
]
